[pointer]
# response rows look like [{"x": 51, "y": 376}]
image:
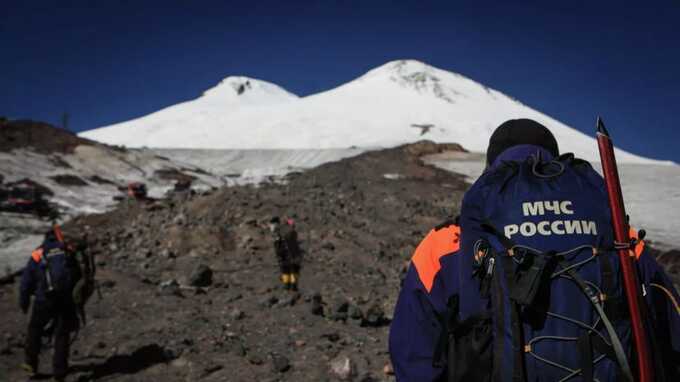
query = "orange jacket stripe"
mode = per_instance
[
  {"x": 436, "y": 244},
  {"x": 37, "y": 255},
  {"x": 640, "y": 246}
]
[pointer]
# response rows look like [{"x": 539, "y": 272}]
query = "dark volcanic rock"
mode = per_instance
[
  {"x": 355, "y": 313},
  {"x": 269, "y": 301},
  {"x": 280, "y": 363},
  {"x": 173, "y": 174},
  {"x": 58, "y": 161},
  {"x": 236, "y": 347},
  {"x": 211, "y": 368},
  {"x": 339, "y": 312},
  {"x": 69, "y": 180},
  {"x": 39, "y": 188},
  {"x": 332, "y": 336},
  {"x": 99, "y": 180},
  {"x": 40, "y": 136},
  {"x": 317, "y": 305},
  {"x": 169, "y": 288},
  {"x": 375, "y": 316},
  {"x": 237, "y": 314},
  {"x": 201, "y": 276},
  {"x": 255, "y": 359}
]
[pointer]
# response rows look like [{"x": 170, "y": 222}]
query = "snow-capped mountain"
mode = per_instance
[{"x": 399, "y": 102}]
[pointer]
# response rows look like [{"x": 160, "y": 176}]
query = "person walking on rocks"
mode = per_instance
[
  {"x": 50, "y": 276},
  {"x": 287, "y": 250}
]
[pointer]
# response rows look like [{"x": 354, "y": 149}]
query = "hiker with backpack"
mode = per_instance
[
  {"x": 526, "y": 285},
  {"x": 287, "y": 250},
  {"x": 50, "y": 276}
]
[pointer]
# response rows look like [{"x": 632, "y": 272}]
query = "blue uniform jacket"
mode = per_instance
[{"x": 33, "y": 279}]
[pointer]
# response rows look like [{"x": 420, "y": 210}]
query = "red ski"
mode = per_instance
[{"x": 626, "y": 255}]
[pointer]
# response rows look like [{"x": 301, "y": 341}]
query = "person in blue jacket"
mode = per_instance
[
  {"x": 434, "y": 275},
  {"x": 49, "y": 276}
]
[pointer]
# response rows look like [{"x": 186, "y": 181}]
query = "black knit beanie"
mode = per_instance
[{"x": 520, "y": 132}]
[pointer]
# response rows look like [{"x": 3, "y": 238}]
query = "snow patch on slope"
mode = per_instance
[
  {"x": 255, "y": 166},
  {"x": 101, "y": 169}
]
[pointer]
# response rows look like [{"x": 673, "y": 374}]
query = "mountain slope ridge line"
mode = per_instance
[{"x": 385, "y": 107}]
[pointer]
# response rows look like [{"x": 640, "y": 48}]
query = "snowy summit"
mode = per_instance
[
  {"x": 399, "y": 102},
  {"x": 244, "y": 91}
]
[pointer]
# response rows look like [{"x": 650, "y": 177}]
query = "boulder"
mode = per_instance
[
  {"x": 342, "y": 368},
  {"x": 201, "y": 276},
  {"x": 280, "y": 363},
  {"x": 375, "y": 316}
]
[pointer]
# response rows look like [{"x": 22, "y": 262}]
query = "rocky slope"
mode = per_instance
[
  {"x": 190, "y": 289},
  {"x": 77, "y": 176}
]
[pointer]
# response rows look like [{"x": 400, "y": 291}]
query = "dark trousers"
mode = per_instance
[
  {"x": 289, "y": 268},
  {"x": 64, "y": 321}
]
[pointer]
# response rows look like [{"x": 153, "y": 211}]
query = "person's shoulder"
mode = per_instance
[
  {"x": 442, "y": 240},
  {"x": 490, "y": 179},
  {"x": 37, "y": 254},
  {"x": 637, "y": 237}
]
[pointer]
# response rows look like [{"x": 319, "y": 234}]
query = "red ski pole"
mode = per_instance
[{"x": 626, "y": 256}]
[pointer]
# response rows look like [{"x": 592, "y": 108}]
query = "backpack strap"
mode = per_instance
[
  {"x": 464, "y": 348},
  {"x": 585, "y": 349},
  {"x": 498, "y": 304},
  {"x": 615, "y": 307},
  {"x": 518, "y": 372},
  {"x": 448, "y": 322},
  {"x": 40, "y": 257},
  {"x": 606, "y": 275}
]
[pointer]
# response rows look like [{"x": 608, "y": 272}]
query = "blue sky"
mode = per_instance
[{"x": 108, "y": 61}]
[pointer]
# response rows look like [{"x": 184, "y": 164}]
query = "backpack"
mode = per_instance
[
  {"x": 58, "y": 268},
  {"x": 286, "y": 242},
  {"x": 541, "y": 296}
]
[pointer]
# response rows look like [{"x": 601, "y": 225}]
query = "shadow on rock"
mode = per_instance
[{"x": 139, "y": 360}]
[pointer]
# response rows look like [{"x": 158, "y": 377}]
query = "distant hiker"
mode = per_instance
[
  {"x": 137, "y": 191},
  {"x": 287, "y": 249},
  {"x": 50, "y": 276},
  {"x": 527, "y": 285}
]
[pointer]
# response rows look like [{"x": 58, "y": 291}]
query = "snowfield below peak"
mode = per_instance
[{"x": 400, "y": 102}]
